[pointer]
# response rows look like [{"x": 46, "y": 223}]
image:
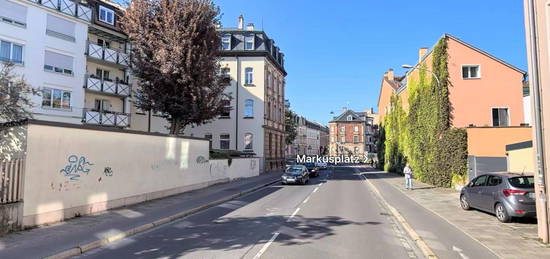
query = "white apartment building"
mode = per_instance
[
  {"x": 46, "y": 39},
  {"x": 255, "y": 124}
]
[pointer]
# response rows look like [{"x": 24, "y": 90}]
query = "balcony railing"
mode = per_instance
[
  {"x": 69, "y": 7},
  {"x": 106, "y": 118},
  {"x": 107, "y": 86},
  {"x": 107, "y": 54}
]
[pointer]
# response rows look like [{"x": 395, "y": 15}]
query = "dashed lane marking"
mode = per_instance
[
  {"x": 266, "y": 245},
  {"x": 293, "y": 214}
]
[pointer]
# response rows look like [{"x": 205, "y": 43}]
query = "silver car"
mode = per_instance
[{"x": 506, "y": 195}]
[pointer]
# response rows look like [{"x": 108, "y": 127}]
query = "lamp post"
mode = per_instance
[{"x": 425, "y": 69}]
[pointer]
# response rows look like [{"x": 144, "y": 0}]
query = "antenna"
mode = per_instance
[{"x": 262, "y": 23}]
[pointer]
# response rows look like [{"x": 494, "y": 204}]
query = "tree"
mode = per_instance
[
  {"x": 175, "y": 50},
  {"x": 15, "y": 95},
  {"x": 290, "y": 127}
]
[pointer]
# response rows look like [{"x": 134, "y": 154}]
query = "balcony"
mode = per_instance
[
  {"x": 107, "y": 86},
  {"x": 69, "y": 7},
  {"x": 108, "y": 55},
  {"x": 106, "y": 118}
]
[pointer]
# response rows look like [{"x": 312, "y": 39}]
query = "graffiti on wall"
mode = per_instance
[
  {"x": 252, "y": 164},
  {"x": 201, "y": 160},
  {"x": 218, "y": 170},
  {"x": 108, "y": 171},
  {"x": 76, "y": 166}
]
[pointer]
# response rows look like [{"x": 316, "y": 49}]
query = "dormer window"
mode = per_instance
[
  {"x": 350, "y": 118},
  {"x": 249, "y": 42},
  {"x": 226, "y": 42},
  {"x": 106, "y": 15}
]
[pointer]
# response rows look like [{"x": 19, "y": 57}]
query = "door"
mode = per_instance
[
  {"x": 487, "y": 197},
  {"x": 475, "y": 191}
]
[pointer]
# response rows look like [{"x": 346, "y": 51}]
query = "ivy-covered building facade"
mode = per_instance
[{"x": 424, "y": 113}]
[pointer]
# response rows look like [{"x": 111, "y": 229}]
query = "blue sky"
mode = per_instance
[{"x": 337, "y": 51}]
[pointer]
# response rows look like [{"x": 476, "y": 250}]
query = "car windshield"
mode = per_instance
[
  {"x": 296, "y": 167},
  {"x": 522, "y": 182},
  {"x": 309, "y": 164},
  {"x": 294, "y": 172}
]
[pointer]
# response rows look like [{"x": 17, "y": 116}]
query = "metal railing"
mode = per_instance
[
  {"x": 69, "y": 7},
  {"x": 106, "y": 118},
  {"x": 108, "y": 54},
  {"x": 117, "y": 87},
  {"x": 11, "y": 180}
]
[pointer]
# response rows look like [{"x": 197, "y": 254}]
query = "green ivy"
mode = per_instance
[{"x": 423, "y": 137}]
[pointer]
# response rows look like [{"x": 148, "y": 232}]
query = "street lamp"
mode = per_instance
[{"x": 405, "y": 66}]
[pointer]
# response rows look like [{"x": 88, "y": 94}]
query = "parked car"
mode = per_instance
[
  {"x": 506, "y": 195},
  {"x": 295, "y": 174},
  {"x": 322, "y": 165},
  {"x": 313, "y": 169}
]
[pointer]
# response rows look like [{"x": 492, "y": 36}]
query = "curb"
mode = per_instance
[
  {"x": 80, "y": 249},
  {"x": 448, "y": 221},
  {"x": 424, "y": 248}
]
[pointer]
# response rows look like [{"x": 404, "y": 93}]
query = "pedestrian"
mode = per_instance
[{"x": 408, "y": 177}]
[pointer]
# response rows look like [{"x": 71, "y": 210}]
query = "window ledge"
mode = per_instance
[
  {"x": 58, "y": 73},
  {"x": 249, "y": 85},
  {"x": 248, "y": 117},
  {"x": 225, "y": 117},
  {"x": 70, "y": 109},
  {"x": 471, "y": 78}
]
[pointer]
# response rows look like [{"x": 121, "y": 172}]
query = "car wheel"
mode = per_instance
[
  {"x": 464, "y": 203},
  {"x": 502, "y": 214}
]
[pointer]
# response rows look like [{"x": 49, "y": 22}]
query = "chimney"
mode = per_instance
[
  {"x": 250, "y": 27},
  {"x": 421, "y": 52},
  {"x": 389, "y": 75},
  {"x": 240, "y": 25}
]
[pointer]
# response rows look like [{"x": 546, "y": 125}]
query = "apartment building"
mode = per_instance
[
  {"x": 46, "y": 40},
  {"x": 255, "y": 68},
  {"x": 486, "y": 91},
  {"x": 311, "y": 138},
  {"x": 107, "y": 80},
  {"x": 352, "y": 133}
]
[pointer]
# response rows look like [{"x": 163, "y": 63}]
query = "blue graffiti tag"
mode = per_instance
[{"x": 77, "y": 165}]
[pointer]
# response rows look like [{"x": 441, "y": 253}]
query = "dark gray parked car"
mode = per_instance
[{"x": 506, "y": 195}]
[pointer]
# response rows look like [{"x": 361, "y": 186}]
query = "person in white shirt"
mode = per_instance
[{"x": 408, "y": 177}]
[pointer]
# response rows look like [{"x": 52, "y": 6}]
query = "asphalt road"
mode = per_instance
[{"x": 335, "y": 216}]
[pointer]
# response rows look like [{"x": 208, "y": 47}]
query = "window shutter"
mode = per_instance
[
  {"x": 58, "y": 60},
  {"x": 13, "y": 11},
  {"x": 60, "y": 25}
]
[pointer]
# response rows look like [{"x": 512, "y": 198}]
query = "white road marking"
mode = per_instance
[
  {"x": 459, "y": 251},
  {"x": 316, "y": 188},
  {"x": 264, "y": 248},
  {"x": 307, "y": 199},
  {"x": 293, "y": 214},
  {"x": 320, "y": 184}
]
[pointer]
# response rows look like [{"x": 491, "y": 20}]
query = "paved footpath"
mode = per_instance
[
  {"x": 512, "y": 240},
  {"x": 57, "y": 238}
]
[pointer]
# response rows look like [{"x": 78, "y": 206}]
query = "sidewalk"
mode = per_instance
[
  {"x": 87, "y": 232},
  {"x": 512, "y": 240}
]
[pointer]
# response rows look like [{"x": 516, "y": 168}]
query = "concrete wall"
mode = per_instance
[
  {"x": 521, "y": 160},
  {"x": 492, "y": 141},
  {"x": 76, "y": 170}
]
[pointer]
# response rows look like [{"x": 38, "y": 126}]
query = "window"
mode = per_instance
[
  {"x": 350, "y": 118},
  {"x": 355, "y": 139},
  {"x": 103, "y": 43},
  {"x": 101, "y": 105},
  {"x": 55, "y": 98},
  {"x": 226, "y": 42},
  {"x": 343, "y": 139},
  {"x": 224, "y": 141},
  {"x": 58, "y": 63},
  {"x": 331, "y": 139},
  {"x": 494, "y": 180},
  {"x": 106, "y": 15},
  {"x": 227, "y": 112},
  {"x": 102, "y": 74},
  {"x": 522, "y": 181},
  {"x": 249, "y": 108},
  {"x": 249, "y": 42},
  {"x": 225, "y": 71},
  {"x": 356, "y": 150},
  {"x": 60, "y": 28},
  {"x": 248, "y": 141},
  {"x": 480, "y": 181},
  {"x": 500, "y": 117},
  {"x": 342, "y": 129},
  {"x": 209, "y": 137},
  {"x": 470, "y": 71},
  {"x": 11, "y": 52},
  {"x": 248, "y": 76},
  {"x": 356, "y": 128},
  {"x": 13, "y": 13}
]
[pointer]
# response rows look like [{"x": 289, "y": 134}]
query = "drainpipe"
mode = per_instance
[
  {"x": 539, "y": 133},
  {"x": 237, "y": 103}
]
